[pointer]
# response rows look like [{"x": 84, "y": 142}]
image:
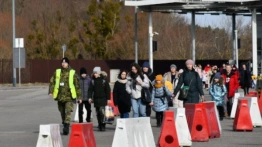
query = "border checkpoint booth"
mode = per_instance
[{"x": 252, "y": 8}]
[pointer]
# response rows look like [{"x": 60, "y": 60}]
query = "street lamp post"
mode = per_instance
[{"x": 13, "y": 24}]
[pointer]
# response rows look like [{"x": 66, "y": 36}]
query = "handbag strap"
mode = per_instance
[{"x": 190, "y": 83}]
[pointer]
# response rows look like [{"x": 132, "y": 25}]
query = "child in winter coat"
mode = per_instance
[
  {"x": 218, "y": 91},
  {"x": 159, "y": 98},
  {"x": 84, "y": 82}
]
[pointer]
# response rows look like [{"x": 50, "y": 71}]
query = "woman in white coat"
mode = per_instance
[{"x": 136, "y": 81}]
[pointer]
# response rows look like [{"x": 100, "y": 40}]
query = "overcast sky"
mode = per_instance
[{"x": 215, "y": 20}]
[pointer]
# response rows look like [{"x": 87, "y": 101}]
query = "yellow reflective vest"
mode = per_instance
[{"x": 71, "y": 83}]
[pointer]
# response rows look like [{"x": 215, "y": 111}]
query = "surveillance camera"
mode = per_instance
[{"x": 155, "y": 33}]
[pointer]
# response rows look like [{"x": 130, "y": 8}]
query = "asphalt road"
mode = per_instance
[{"x": 22, "y": 110}]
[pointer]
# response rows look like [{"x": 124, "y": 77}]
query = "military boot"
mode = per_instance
[{"x": 66, "y": 129}]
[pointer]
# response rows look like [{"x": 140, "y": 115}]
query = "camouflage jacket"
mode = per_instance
[{"x": 64, "y": 94}]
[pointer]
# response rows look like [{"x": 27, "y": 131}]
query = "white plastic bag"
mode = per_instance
[{"x": 109, "y": 115}]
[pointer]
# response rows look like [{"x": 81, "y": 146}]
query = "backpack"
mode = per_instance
[
  {"x": 164, "y": 96},
  {"x": 93, "y": 82}
]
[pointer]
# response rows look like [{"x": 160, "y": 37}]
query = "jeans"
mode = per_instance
[
  {"x": 124, "y": 115},
  {"x": 139, "y": 109}
]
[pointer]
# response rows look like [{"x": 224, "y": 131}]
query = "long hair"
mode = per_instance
[
  {"x": 120, "y": 73},
  {"x": 139, "y": 71},
  {"x": 221, "y": 81}
]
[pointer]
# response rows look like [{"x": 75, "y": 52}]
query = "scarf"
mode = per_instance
[
  {"x": 122, "y": 81},
  {"x": 159, "y": 85},
  {"x": 134, "y": 82}
]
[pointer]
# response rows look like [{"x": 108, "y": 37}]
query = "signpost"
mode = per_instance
[
  {"x": 64, "y": 49},
  {"x": 19, "y": 43}
]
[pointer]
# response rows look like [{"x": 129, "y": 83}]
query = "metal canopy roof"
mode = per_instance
[{"x": 242, "y": 7}]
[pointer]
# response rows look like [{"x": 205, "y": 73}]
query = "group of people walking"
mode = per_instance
[
  {"x": 225, "y": 83},
  {"x": 67, "y": 88},
  {"x": 172, "y": 89}
]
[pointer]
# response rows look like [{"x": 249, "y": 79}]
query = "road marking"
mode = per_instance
[{"x": 12, "y": 132}]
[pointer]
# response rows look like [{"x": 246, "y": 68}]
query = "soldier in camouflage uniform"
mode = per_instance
[{"x": 61, "y": 89}]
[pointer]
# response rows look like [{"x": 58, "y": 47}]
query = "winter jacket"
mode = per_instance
[
  {"x": 136, "y": 93},
  {"x": 233, "y": 84},
  {"x": 121, "y": 97},
  {"x": 64, "y": 94},
  {"x": 195, "y": 88},
  {"x": 84, "y": 85},
  {"x": 218, "y": 94},
  {"x": 207, "y": 76},
  {"x": 99, "y": 91},
  {"x": 167, "y": 77},
  {"x": 159, "y": 98},
  {"x": 245, "y": 80}
]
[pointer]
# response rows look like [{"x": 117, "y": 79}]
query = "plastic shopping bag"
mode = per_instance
[{"x": 109, "y": 115}]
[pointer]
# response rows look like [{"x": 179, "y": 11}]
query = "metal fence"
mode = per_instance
[{"x": 42, "y": 70}]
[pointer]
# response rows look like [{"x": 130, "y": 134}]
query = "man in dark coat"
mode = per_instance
[
  {"x": 99, "y": 93},
  {"x": 151, "y": 76},
  {"x": 191, "y": 79},
  {"x": 245, "y": 79}
]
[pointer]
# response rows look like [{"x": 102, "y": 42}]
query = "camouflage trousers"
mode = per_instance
[{"x": 66, "y": 108}]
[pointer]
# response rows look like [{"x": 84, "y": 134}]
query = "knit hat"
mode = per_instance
[
  {"x": 173, "y": 66},
  {"x": 217, "y": 76},
  {"x": 65, "y": 59},
  {"x": 97, "y": 70},
  {"x": 159, "y": 78},
  {"x": 190, "y": 61},
  {"x": 146, "y": 64},
  {"x": 83, "y": 71}
]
